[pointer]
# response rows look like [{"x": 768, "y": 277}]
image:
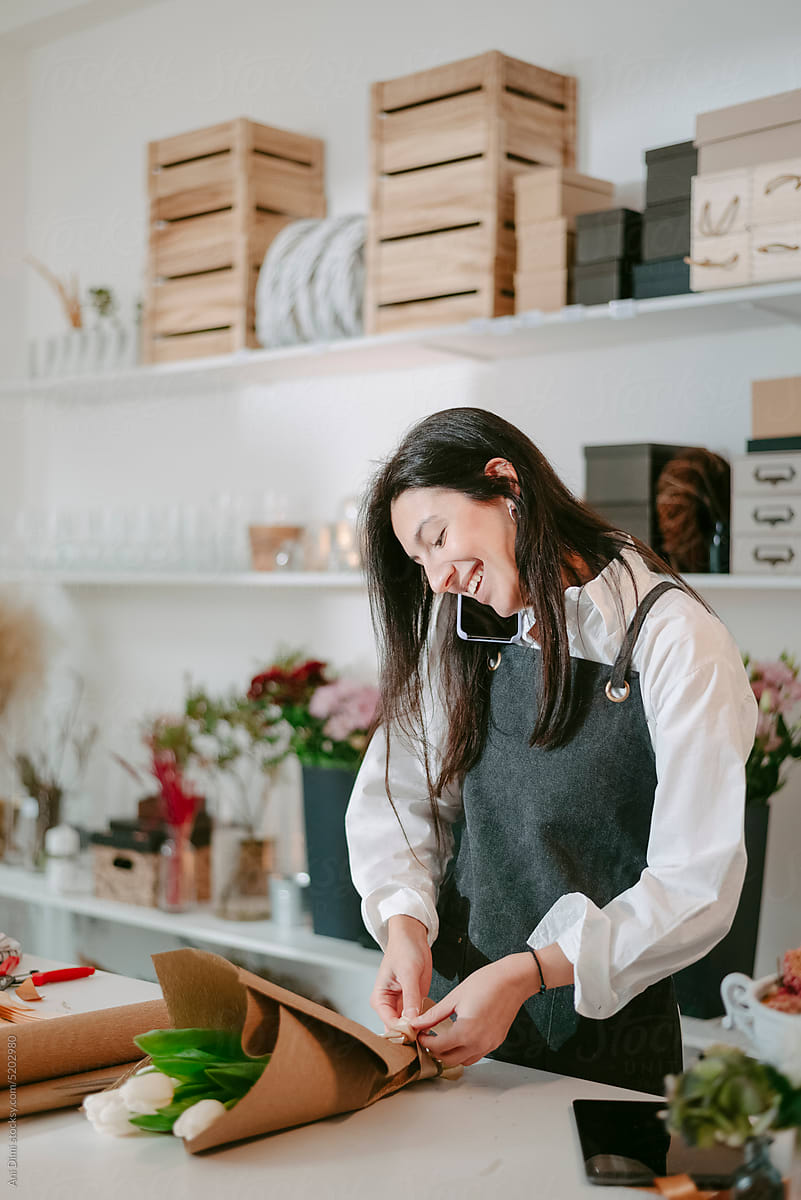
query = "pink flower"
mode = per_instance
[
  {"x": 347, "y": 707},
  {"x": 766, "y": 733},
  {"x": 776, "y": 686}
]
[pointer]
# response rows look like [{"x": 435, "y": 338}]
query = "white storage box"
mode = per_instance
[
  {"x": 763, "y": 518},
  {"x": 767, "y": 475},
  {"x": 766, "y": 555}
]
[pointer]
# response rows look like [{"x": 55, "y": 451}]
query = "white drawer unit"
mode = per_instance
[
  {"x": 776, "y": 192},
  {"x": 769, "y": 476},
  {"x": 776, "y": 252},
  {"x": 763, "y": 517},
  {"x": 719, "y": 262},
  {"x": 766, "y": 555},
  {"x": 721, "y": 204}
]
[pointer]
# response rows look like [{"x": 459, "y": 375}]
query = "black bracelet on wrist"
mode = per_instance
[{"x": 542, "y": 987}]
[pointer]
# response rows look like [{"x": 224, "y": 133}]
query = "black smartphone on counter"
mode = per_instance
[{"x": 477, "y": 622}]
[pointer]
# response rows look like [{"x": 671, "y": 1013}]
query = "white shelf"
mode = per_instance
[
  {"x": 200, "y": 925},
  {"x": 737, "y": 583},
  {"x": 335, "y": 580},
  {"x": 577, "y": 327}
]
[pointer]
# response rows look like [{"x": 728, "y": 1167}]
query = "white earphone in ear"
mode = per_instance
[{"x": 512, "y": 510}]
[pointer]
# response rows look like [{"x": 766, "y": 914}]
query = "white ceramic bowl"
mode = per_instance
[{"x": 776, "y": 1036}]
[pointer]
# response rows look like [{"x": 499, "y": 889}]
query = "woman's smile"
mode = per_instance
[
  {"x": 475, "y": 580},
  {"x": 463, "y": 545}
]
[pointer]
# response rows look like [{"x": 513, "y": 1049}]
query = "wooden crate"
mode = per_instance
[
  {"x": 218, "y": 197},
  {"x": 446, "y": 145}
]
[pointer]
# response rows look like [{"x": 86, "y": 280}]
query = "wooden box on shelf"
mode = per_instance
[
  {"x": 446, "y": 145},
  {"x": 544, "y": 193},
  {"x": 218, "y": 197},
  {"x": 547, "y": 202}
]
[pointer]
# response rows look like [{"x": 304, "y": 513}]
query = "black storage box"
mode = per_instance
[
  {"x": 666, "y": 230},
  {"x": 124, "y": 835},
  {"x": 669, "y": 172},
  {"x": 637, "y": 519},
  {"x": 608, "y": 235},
  {"x": 626, "y": 474},
  {"x": 599, "y": 283},
  {"x": 621, "y": 485},
  {"x": 759, "y": 445},
  {"x": 669, "y": 277}
]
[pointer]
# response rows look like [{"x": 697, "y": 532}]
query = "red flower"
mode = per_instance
[
  {"x": 180, "y": 805},
  {"x": 288, "y": 686}
]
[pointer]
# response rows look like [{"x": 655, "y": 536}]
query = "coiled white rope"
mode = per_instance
[{"x": 311, "y": 283}]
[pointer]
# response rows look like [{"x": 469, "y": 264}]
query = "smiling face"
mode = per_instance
[{"x": 463, "y": 545}]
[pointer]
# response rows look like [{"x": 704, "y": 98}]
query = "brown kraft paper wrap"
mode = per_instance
[
  {"x": 79, "y": 1042},
  {"x": 321, "y": 1063}
]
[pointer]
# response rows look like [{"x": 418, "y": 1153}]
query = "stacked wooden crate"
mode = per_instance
[
  {"x": 547, "y": 201},
  {"x": 446, "y": 146},
  {"x": 218, "y": 197}
]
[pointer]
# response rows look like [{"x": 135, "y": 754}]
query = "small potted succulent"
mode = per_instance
[{"x": 733, "y": 1099}]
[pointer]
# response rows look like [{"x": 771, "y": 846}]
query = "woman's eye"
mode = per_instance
[{"x": 440, "y": 541}]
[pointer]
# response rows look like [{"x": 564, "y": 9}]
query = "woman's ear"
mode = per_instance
[{"x": 500, "y": 466}]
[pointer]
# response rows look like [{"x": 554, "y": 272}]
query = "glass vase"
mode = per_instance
[
  {"x": 177, "y": 870},
  {"x": 757, "y": 1178},
  {"x": 241, "y": 868}
]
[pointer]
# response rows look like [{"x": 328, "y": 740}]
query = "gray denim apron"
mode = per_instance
[{"x": 540, "y": 823}]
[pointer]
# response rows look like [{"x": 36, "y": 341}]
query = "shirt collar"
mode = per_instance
[{"x": 611, "y": 592}]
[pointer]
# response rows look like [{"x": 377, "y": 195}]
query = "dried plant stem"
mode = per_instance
[{"x": 67, "y": 294}]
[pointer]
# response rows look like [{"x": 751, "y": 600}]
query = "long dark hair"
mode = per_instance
[{"x": 450, "y": 449}]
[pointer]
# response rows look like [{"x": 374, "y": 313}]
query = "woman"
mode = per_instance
[{"x": 541, "y": 832}]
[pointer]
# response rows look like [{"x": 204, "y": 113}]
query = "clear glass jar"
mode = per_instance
[
  {"x": 177, "y": 870},
  {"x": 240, "y": 866}
]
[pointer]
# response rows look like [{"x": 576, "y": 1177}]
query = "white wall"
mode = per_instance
[{"x": 95, "y": 98}]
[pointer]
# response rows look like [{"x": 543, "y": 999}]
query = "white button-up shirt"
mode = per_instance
[{"x": 701, "y": 716}]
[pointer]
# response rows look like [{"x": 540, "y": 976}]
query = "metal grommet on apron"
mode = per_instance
[{"x": 541, "y": 823}]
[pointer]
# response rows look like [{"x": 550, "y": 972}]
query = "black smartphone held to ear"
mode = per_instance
[{"x": 476, "y": 622}]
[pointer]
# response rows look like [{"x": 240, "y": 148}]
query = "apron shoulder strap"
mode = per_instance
[{"x": 617, "y": 680}]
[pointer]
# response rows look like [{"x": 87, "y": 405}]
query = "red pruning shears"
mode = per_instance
[{"x": 40, "y": 977}]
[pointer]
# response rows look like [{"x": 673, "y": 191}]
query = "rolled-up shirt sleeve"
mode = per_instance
[
  {"x": 702, "y": 729},
  {"x": 385, "y": 873}
]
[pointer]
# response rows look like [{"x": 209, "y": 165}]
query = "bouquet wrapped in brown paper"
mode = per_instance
[{"x": 320, "y": 1063}]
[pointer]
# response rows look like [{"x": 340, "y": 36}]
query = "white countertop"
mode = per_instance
[
  {"x": 100, "y": 990},
  {"x": 499, "y": 1131}
]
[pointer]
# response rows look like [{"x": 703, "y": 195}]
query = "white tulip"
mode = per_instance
[
  {"x": 109, "y": 1113},
  {"x": 241, "y": 738},
  {"x": 206, "y": 745},
  {"x": 222, "y": 729},
  {"x": 145, "y": 1094},
  {"x": 198, "y": 1117}
]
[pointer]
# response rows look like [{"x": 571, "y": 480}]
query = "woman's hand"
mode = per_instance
[
  {"x": 485, "y": 1004},
  {"x": 404, "y": 976}
]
